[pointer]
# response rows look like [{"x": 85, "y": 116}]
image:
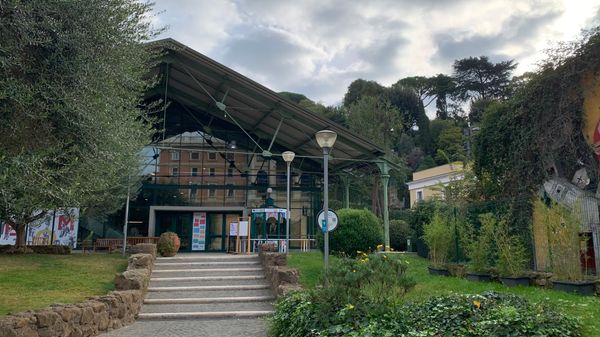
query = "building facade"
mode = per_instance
[{"x": 427, "y": 184}]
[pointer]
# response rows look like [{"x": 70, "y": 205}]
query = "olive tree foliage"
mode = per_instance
[{"x": 72, "y": 74}]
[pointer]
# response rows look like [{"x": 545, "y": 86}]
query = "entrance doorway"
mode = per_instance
[{"x": 181, "y": 222}]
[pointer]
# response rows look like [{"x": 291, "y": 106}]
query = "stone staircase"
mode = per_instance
[{"x": 210, "y": 286}]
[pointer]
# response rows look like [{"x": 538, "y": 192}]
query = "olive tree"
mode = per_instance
[{"x": 72, "y": 122}]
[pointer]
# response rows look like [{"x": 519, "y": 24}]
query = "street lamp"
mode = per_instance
[
  {"x": 288, "y": 156},
  {"x": 326, "y": 139}
]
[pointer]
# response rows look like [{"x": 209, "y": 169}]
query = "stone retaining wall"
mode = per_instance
[
  {"x": 92, "y": 317},
  {"x": 282, "y": 278}
]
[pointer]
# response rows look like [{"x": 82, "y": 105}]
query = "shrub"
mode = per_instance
[
  {"x": 166, "y": 244},
  {"x": 399, "y": 232},
  {"x": 485, "y": 315},
  {"x": 480, "y": 249},
  {"x": 358, "y": 230},
  {"x": 512, "y": 255},
  {"x": 438, "y": 237}
]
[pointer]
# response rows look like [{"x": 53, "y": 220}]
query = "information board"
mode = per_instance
[{"x": 199, "y": 231}]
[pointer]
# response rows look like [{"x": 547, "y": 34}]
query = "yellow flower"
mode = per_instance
[
  {"x": 349, "y": 306},
  {"x": 477, "y": 304}
]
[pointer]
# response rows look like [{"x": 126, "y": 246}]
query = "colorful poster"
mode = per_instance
[
  {"x": 199, "y": 231},
  {"x": 65, "y": 224}
]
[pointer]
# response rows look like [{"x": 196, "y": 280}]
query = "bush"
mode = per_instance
[
  {"x": 485, "y": 315},
  {"x": 358, "y": 230},
  {"x": 512, "y": 255},
  {"x": 481, "y": 250},
  {"x": 399, "y": 232},
  {"x": 438, "y": 237},
  {"x": 166, "y": 244}
]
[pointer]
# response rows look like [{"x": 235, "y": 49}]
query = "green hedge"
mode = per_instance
[{"x": 357, "y": 230}]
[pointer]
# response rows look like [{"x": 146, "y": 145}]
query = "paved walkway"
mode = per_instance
[
  {"x": 255, "y": 327},
  {"x": 210, "y": 295}
]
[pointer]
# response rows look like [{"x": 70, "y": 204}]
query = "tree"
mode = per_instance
[
  {"x": 360, "y": 88},
  {"x": 478, "y": 78},
  {"x": 376, "y": 119},
  {"x": 72, "y": 74},
  {"x": 421, "y": 85}
]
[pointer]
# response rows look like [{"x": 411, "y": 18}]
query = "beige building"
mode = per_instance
[{"x": 426, "y": 184}]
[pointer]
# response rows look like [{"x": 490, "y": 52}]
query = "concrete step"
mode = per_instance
[
  {"x": 203, "y": 315},
  {"x": 206, "y": 264},
  {"x": 208, "y": 272},
  {"x": 200, "y": 300},
  {"x": 209, "y": 288},
  {"x": 207, "y": 307},
  {"x": 208, "y": 293},
  {"x": 191, "y": 283},
  {"x": 209, "y": 258},
  {"x": 208, "y": 278}
]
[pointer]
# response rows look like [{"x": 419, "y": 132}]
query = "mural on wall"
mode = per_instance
[{"x": 63, "y": 222}]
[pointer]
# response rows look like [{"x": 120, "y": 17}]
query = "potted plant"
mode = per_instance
[
  {"x": 479, "y": 250},
  {"x": 438, "y": 237},
  {"x": 564, "y": 243},
  {"x": 512, "y": 258},
  {"x": 168, "y": 244}
]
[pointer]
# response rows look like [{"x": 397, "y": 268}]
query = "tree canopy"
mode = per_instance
[{"x": 72, "y": 74}]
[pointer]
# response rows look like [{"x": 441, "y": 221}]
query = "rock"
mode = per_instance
[
  {"x": 284, "y": 289},
  {"x": 132, "y": 279},
  {"x": 87, "y": 315},
  {"x": 140, "y": 261},
  {"x": 46, "y": 318},
  {"x": 287, "y": 275}
]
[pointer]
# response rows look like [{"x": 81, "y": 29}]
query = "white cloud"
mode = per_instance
[{"x": 319, "y": 47}]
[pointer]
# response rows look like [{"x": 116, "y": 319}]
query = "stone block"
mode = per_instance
[
  {"x": 284, "y": 289},
  {"x": 287, "y": 275},
  {"x": 46, "y": 318},
  {"x": 132, "y": 279},
  {"x": 273, "y": 259},
  {"x": 87, "y": 316},
  {"x": 144, "y": 248},
  {"x": 140, "y": 261}
]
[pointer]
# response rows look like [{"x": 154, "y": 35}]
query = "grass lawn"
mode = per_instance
[
  {"x": 36, "y": 281},
  {"x": 587, "y": 309}
]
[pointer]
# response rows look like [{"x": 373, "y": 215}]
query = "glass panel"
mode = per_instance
[{"x": 215, "y": 231}]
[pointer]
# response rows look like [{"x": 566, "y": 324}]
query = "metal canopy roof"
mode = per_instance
[{"x": 189, "y": 79}]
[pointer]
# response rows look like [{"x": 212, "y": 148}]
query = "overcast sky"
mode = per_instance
[{"x": 318, "y": 47}]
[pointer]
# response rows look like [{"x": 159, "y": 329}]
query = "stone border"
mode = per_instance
[
  {"x": 96, "y": 315},
  {"x": 282, "y": 278}
]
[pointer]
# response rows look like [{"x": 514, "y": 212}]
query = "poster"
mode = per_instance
[
  {"x": 233, "y": 229},
  {"x": 243, "y": 227},
  {"x": 63, "y": 222},
  {"x": 199, "y": 231}
]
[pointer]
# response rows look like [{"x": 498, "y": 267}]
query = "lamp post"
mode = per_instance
[
  {"x": 126, "y": 215},
  {"x": 288, "y": 156},
  {"x": 326, "y": 139}
]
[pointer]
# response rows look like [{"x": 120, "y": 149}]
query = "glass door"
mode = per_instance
[
  {"x": 216, "y": 232},
  {"x": 178, "y": 222}
]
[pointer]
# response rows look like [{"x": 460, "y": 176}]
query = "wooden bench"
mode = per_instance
[
  {"x": 109, "y": 244},
  {"x": 134, "y": 240}
]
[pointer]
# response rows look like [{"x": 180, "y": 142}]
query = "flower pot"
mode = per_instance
[
  {"x": 438, "y": 271},
  {"x": 586, "y": 288},
  {"x": 514, "y": 281},
  {"x": 479, "y": 277}
]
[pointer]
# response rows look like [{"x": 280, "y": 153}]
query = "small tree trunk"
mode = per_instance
[{"x": 21, "y": 235}]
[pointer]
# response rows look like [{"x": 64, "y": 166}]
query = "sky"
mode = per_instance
[{"x": 318, "y": 47}]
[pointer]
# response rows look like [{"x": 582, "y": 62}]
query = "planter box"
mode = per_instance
[
  {"x": 438, "y": 271},
  {"x": 515, "y": 281},
  {"x": 476, "y": 277},
  {"x": 586, "y": 288}
]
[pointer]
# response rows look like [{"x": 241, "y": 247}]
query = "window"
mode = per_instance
[
  {"x": 230, "y": 172},
  {"x": 174, "y": 171},
  {"x": 212, "y": 192},
  {"x": 212, "y": 156},
  {"x": 420, "y": 195},
  {"x": 212, "y": 172},
  {"x": 193, "y": 193},
  {"x": 194, "y": 171},
  {"x": 230, "y": 156},
  {"x": 174, "y": 155},
  {"x": 194, "y": 155},
  {"x": 230, "y": 191}
]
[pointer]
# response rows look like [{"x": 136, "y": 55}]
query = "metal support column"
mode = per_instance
[
  {"x": 385, "y": 179},
  {"x": 346, "y": 182}
]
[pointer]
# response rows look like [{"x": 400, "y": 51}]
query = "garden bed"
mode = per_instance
[
  {"x": 36, "y": 281},
  {"x": 587, "y": 309}
]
